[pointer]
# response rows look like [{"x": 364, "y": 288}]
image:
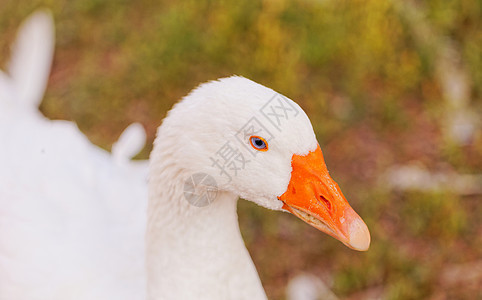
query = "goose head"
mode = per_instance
[{"x": 241, "y": 137}]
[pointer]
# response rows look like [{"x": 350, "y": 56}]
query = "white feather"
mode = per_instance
[
  {"x": 131, "y": 141},
  {"x": 73, "y": 216},
  {"x": 31, "y": 58}
]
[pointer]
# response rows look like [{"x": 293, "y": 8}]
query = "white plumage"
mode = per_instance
[
  {"x": 71, "y": 214},
  {"x": 73, "y": 221}
]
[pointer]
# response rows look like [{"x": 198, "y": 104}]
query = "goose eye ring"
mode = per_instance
[{"x": 258, "y": 143}]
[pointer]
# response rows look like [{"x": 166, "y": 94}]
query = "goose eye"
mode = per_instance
[{"x": 258, "y": 143}]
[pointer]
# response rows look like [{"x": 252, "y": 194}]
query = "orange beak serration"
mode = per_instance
[{"x": 316, "y": 199}]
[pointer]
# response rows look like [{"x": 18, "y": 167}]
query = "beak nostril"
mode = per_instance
[
  {"x": 293, "y": 190},
  {"x": 325, "y": 202}
]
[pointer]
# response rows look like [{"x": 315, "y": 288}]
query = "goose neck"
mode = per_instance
[{"x": 195, "y": 252}]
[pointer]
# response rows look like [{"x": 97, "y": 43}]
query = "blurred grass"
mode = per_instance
[{"x": 369, "y": 86}]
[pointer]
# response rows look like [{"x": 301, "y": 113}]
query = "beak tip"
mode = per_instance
[{"x": 359, "y": 236}]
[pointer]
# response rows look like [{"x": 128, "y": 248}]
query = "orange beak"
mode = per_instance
[{"x": 316, "y": 199}]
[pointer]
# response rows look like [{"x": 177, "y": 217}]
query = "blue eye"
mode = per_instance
[{"x": 258, "y": 143}]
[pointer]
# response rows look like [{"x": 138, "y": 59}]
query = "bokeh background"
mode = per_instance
[{"x": 393, "y": 88}]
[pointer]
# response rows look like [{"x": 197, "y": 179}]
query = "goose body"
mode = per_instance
[
  {"x": 77, "y": 222},
  {"x": 72, "y": 216}
]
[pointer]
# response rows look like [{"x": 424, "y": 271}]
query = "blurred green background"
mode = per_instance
[{"x": 386, "y": 84}]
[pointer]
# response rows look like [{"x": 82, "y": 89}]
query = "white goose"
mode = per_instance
[{"x": 230, "y": 138}]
